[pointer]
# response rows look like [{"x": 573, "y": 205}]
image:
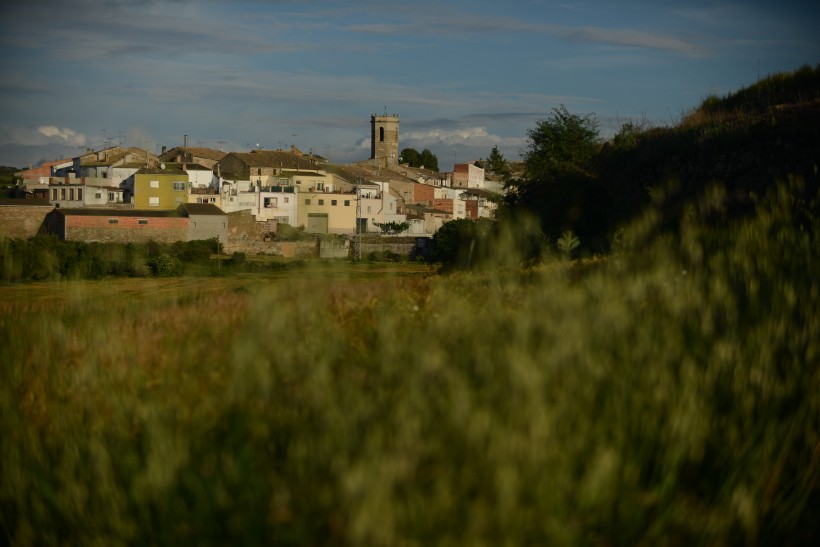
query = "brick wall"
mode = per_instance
[
  {"x": 443, "y": 204},
  {"x": 22, "y": 222},
  {"x": 127, "y": 229},
  {"x": 423, "y": 193},
  {"x": 472, "y": 208}
]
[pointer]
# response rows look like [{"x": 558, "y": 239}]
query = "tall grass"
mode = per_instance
[{"x": 666, "y": 397}]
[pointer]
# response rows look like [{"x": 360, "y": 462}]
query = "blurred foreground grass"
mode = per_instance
[{"x": 664, "y": 397}]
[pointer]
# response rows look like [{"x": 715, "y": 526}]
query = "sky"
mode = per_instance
[{"x": 462, "y": 75}]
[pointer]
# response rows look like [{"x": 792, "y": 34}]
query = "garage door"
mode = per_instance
[{"x": 317, "y": 223}]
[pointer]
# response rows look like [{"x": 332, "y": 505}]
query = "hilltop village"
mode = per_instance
[{"x": 127, "y": 194}]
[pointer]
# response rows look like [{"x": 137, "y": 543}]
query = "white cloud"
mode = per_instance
[
  {"x": 470, "y": 136},
  {"x": 42, "y": 135},
  {"x": 69, "y": 136}
]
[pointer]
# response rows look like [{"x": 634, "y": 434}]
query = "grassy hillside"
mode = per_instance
[
  {"x": 667, "y": 397},
  {"x": 746, "y": 143}
]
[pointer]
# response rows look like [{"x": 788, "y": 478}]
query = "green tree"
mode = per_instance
[
  {"x": 429, "y": 160},
  {"x": 496, "y": 162},
  {"x": 562, "y": 144},
  {"x": 560, "y": 184},
  {"x": 413, "y": 158}
]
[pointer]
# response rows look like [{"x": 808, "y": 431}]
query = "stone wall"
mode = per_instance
[
  {"x": 246, "y": 235},
  {"x": 243, "y": 227},
  {"x": 22, "y": 221},
  {"x": 399, "y": 248}
]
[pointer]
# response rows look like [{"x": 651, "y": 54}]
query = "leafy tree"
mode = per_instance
[
  {"x": 413, "y": 158},
  {"x": 455, "y": 242},
  {"x": 496, "y": 162},
  {"x": 429, "y": 160},
  {"x": 393, "y": 227},
  {"x": 560, "y": 184},
  {"x": 563, "y": 143}
]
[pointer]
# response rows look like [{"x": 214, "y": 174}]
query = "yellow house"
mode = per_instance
[
  {"x": 327, "y": 213},
  {"x": 160, "y": 188}
]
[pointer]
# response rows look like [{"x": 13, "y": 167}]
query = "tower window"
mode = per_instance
[{"x": 381, "y": 134}]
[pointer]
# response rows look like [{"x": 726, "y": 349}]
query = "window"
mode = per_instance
[
  {"x": 71, "y": 194},
  {"x": 333, "y": 202},
  {"x": 153, "y": 202},
  {"x": 142, "y": 221},
  {"x": 347, "y": 203},
  {"x": 321, "y": 202},
  {"x": 80, "y": 194},
  {"x": 54, "y": 194},
  {"x": 307, "y": 201},
  {"x": 369, "y": 209},
  {"x": 287, "y": 200},
  {"x": 381, "y": 134},
  {"x": 154, "y": 184},
  {"x": 62, "y": 193},
  {"x": 179, "y": 186},
  {"x": 111, "y": 196},
  {"x": 113, "y": 221},
  {"x": 98, "y": 195}
]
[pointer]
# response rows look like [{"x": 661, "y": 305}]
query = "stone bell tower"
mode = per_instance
[{"x": 384, "y": 139}]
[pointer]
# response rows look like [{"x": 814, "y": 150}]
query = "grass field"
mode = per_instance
[{"x": 666, "y": 396}]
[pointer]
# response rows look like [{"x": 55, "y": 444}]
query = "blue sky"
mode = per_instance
[{"x": 463, "y": 75}]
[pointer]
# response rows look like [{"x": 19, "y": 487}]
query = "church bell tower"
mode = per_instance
[{"x": 384, "y": 139}]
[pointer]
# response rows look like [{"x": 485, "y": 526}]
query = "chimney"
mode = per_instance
[
  {"x": 185, "y": 141},
  {"x": 163, "y": 150}
]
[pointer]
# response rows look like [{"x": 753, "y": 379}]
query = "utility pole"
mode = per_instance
[{"x": 357, "y": 237}]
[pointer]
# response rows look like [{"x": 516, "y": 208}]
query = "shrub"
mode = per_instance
[{"x": 166, "y": 265}]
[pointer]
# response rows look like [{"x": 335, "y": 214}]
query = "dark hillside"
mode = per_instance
[{"x": 746, "y": 142}]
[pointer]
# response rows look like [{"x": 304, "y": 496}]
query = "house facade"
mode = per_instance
[
  {"x": 205, "y": 221},
  {"x": 327, "y": 213},
  {"x": 161, "y": 189},
  {"x": 468, "y": 175},
  {"x": 264, "y": 167},
  {"x": 70, "y": 192},
  {"x": 279, "y": 204}
]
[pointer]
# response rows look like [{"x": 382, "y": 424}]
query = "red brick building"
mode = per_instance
[{"x": 189, "y": 222}]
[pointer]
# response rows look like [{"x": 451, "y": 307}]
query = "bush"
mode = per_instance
[
  {"x": 166, "y": 265},
  {"x": 286, "y": 232}
]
